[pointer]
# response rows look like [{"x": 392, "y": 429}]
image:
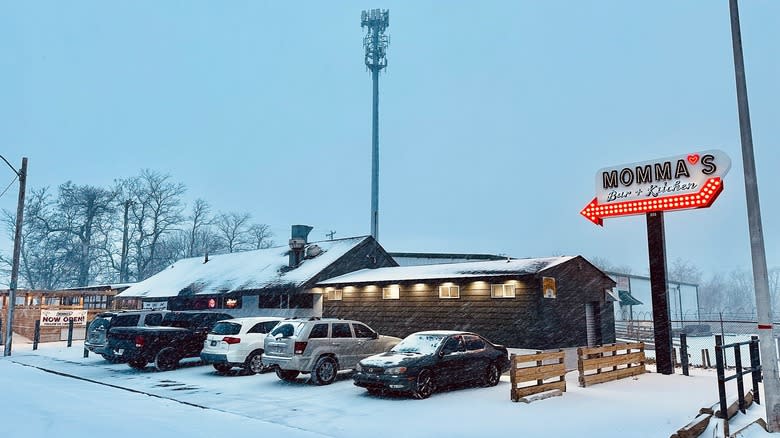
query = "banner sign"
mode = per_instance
[
  {"x": 692, "y": 180},
  {"x": 155, "y": 305},
  {"x": 61, "y": 318},
  {"x": 548, "y": 287}
]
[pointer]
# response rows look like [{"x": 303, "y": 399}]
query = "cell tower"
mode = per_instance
[{"x": 375, "y": 42}]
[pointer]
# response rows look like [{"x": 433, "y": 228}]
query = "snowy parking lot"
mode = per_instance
[{"x": 82, "y": 394}]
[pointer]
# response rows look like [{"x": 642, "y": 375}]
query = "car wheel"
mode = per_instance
[
  {"x": 423, "y": 385},
  {"x": 137, "y": 364},
  {"x": 325, "y": 371},
  {"x": 286, "y": 375},
  {"x": 222, "y": 368},
  {"x": 166, "y": 359},
  {"x": 492, "y": 374},
  {"x": 254, "y": 362}
]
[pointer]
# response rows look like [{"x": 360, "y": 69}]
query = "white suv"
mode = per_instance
[
  {"x": 321, "y": 347},
  {"x": 238, "y": 343}
]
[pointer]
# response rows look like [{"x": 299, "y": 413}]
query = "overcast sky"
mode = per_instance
[{"x": 494, "y": 116}]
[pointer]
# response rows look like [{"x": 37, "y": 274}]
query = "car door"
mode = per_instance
[
  {"x": 344, "y": 344},
  {"x": 366, "y": 341},
  {"x": 451, "y": 366},
  {"x": 476, "y": 357}
]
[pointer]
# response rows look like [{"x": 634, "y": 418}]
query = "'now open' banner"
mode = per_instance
[{"x": 61, "y": 318}]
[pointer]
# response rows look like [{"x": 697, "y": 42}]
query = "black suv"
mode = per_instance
[
  {"x": 98, "y": 328},
  {"x": 180, "y": 334}
]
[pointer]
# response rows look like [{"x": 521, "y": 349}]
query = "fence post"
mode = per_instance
[
  {"x": 721, "y": 376},
  {"x": 755, "y": 365},
  {"x": 37, "y": 334},
  {"x": 513, "y": 377},
  {"x": 684, "y": 353},
  {"x": 70, "y": 333},
  {"x": 740, "y": 383}
]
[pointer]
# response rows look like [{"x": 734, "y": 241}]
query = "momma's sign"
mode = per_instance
[
  {"x": 692, "y": 180},
  {"x": 62, "y": 318}
]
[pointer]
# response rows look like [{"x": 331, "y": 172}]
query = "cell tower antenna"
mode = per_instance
[{"x": 375, "y": 42}]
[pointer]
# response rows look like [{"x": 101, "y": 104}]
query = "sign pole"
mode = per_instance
[
  {"x": 757, "y": 251},
  {"x": 656, "y": 248}
]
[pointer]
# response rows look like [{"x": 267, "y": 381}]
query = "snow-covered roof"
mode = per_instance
[
  {"x": 245, "y": 270},
  {"x": 450, "y": 270}
]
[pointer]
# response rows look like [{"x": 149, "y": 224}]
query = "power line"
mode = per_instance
[{"x": 9, "y": 185}]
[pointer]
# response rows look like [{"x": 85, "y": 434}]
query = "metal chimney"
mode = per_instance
[{"x": 298, "y": 238}]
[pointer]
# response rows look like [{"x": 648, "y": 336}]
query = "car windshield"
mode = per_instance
[
  {"x": 226, "y": 328},
  {"x": 423, "y": 344}
]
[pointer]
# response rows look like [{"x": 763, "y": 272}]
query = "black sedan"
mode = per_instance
[{"x": 428, "y": 360}]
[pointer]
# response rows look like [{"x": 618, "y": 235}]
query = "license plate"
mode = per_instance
[{"x": 213, "y": 343}]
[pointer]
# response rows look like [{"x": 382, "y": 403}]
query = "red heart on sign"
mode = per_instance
[{"x": 693, "y": 158}]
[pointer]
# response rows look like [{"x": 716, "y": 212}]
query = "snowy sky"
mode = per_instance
[{"x": 494, "y": 119}]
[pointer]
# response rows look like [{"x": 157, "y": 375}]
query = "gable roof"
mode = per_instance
[
  {"x": 493, "y": 268},
  {"x": 434, "y": 258},
  {"x": 247, "y": 270}
]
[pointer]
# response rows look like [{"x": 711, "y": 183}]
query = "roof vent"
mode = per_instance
[{"x": 313, "y": 251}]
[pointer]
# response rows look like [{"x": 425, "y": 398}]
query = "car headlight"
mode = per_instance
[{"x": 396, "y": 370}]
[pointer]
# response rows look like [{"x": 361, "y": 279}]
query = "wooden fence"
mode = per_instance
[
  {"x": 604, "y": 364},
  {"x": 530, "y": 375}
]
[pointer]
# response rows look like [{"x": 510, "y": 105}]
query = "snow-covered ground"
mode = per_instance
[{"x": 83, "y": 396}]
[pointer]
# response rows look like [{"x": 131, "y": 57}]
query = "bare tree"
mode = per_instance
[
  {"x": 607, "y": 266},
  {"x": 233, "y": 231},
  {"x": 684, "y": 270},
  {"x": 199, "y": 221},
  {"x": 260, "y": 235},
  {"x": 156, "y": 211}
]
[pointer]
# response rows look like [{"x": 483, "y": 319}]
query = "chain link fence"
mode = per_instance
[{"x": 700, "y": 335}]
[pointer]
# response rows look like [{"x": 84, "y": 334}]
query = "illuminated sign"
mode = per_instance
[
  {"x": 678, "y": 183},
  {"x": 548, "y": 287}
]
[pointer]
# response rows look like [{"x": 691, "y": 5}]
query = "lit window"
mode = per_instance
[
  {"x": 334, "y": 294},
  {"x": 391, "y": 292},
  {"x": 449, "y": 291},
  {"x": 502, "y": 290}
]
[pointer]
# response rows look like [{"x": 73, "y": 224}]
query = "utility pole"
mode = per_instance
[
  {"x": 17, "y": 250},
  {"x": 375, "y": 43},
  {"x": 123, "y": 260},
  {"x": 757, "y": 251}
]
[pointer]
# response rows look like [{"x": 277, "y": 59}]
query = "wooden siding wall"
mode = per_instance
[{"x": 526, "y": 321}]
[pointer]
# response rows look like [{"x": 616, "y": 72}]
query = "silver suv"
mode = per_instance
[{"x": 321, "y": 347}]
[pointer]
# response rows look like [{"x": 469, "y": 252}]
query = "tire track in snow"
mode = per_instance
[{"x": 162, "y": 397}]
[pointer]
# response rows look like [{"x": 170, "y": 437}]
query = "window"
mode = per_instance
[
  {"x": 286, "y": 301},
  {"x": 341, "y": 330},
  {"x": 334, "y": 294},
  {"x": 449, "y": 291},
  {"x": 362, "y": 331},
  {"x": 226, "y": 328},
  {"x": 453, "y": 344},
  {"x": 153, "y": 319},
  {"x": 391, "y": 292},
  {"x": 319, "y": 331},
  {"x": 502, "y": 290},
  {"x": 258, "y": 328},
  {"x": 474, "y": 343},
  {"x": 269, "y": 325}
]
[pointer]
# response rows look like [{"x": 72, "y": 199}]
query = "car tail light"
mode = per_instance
[
  {"x": 139, "y": 341},
  {"x": 299, "y": 347},
  {"x": 231, "y": 340}
]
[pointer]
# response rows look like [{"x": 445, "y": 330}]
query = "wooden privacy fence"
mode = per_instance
[
  {"x": 610, "y": 362},
  {"x": 530, "y": 375}
]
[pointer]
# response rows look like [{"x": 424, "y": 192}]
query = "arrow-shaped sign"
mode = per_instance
[{"x": 596, "y": 212}]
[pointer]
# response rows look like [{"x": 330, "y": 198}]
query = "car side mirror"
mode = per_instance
[
  {"x": 375, "y": 335},
  {"x": 442, "y": 353}
]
